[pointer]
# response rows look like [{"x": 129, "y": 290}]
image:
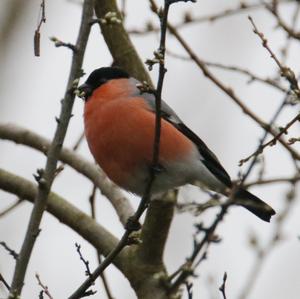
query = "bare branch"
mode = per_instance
[
  {"x": 273, "y": 8},
  {"x": 291, "y": 180},
  {"x": 92, "y": 199},
  {"x": 44, "y": 287},
  {"x": 66, "y": 213},
  {"x": 222, "y": 287},
  {"x": 273, "y": 141},
  {"x": 286, "y": 72},
  {"x": 9, "y": 250},
  {"x": 58, "y": 43},
  {"x": 4, "y": 282},
  {"x": 189, "y": 19},
  {"x": 252, "y": 77},
  {"x": 52, "y": 155},
  {"x": 86, "y": 168},
  {"x": 12, "y": 207}
]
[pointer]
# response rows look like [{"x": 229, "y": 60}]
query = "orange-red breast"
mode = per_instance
[{"x": 119, "y": 126}]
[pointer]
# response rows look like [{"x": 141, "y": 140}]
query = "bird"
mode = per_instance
[{"x": 119, "y": 125}]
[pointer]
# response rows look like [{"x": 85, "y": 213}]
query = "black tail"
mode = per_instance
[{"x": 254, "y": 205}]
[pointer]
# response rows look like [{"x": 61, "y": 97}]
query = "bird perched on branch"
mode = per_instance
[{"x": 119, "y": 124}]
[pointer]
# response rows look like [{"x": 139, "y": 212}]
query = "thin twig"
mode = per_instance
[
  {"x": 78, "y": 142},
  {"x": 4, "y": 282},
  {"x": 187, "y": 267},
  {"x": 44, "y": 287},
  {"x": 188, "y": 19},
  {"x": 285, "y": 49},
  {"x": 11, "y": 207},
  {"x": 290, "y": 180},
  {"x": 189, "y": 289},
  {"x": 273, "y": 141},
  {"x": 85, "y": 262},
  {"x": 106, "y": 262},
  {"x": 9, "y": 250},
  {"x": 46, "y": 181},
  {"x": 273, "y": 8},
  {"x": 286, "y": 72},
  {"x": 222, "y": 287},
  {"x": 252, "y": 77},
  {"x": 58, "y": 43},
  {"x": 92, "y": 199}
]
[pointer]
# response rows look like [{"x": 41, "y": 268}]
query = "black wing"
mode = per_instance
[{"x": 209, "y": 158}]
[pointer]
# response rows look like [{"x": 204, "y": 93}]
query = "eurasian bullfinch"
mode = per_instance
[{"x": 119, "y": 124}]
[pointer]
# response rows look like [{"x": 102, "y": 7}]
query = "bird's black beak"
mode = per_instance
[{"x": 84, "y": 91}]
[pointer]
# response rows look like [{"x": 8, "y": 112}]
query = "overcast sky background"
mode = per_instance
[{"x": 30, "y": 92}]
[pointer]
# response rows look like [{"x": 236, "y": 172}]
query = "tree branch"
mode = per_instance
[
  {"x": 11, "y": 207},
  {"x": 66, "y": 213},
  {"x": 49, "y": 173},
  {"x": 189, "y": 19},
  {"x": 119, "y": 43},
  {"x": 156, "y": 228},
  {"x": 113, "y": 193}
]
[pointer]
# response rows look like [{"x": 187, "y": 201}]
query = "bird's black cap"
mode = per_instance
[{"x": 99, "y": 77}]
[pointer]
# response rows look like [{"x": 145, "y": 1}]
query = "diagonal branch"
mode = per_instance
[
  {"x": 11, "y": 207},
  {"x": 65, "y": 212},
  {"x": 48, "y": 175},
  {"x": 273, "y": 141},
  {"x": 113, "y": 193}
]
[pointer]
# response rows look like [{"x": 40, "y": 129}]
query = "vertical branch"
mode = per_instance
[
  {"x": 154, "y": 170},
  {"x": 42, "y": 19},
  {"x": 133, "y": 224},
  {"x": 47, "y": 175},
  {"x": 92, "y": 199}
]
